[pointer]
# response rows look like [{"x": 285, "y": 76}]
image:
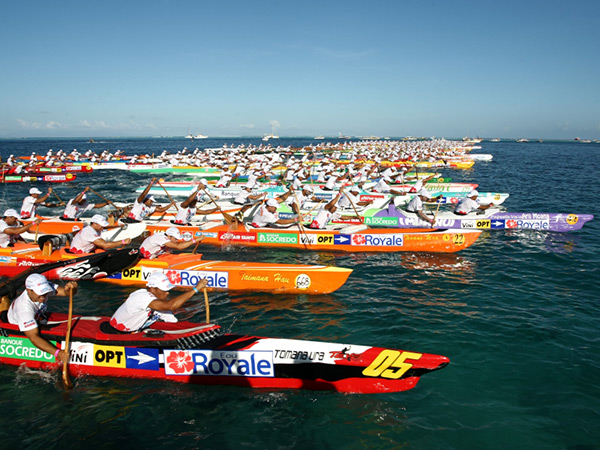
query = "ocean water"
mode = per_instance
[{"x": 517, "y": 314}]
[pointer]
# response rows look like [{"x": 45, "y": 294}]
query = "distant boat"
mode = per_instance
[
  {"x": 522, "y": 140},
  {"x": 319, "y": 137},
  {"x": 495, "y": 140},
  {"x": 341, "y": 136},
  {"x": 266, "y": 137},
  {"x": 371, "y": 138},
  {"x": 197, "y": 136}
]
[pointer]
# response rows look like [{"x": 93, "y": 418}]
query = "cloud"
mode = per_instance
[
  {"x": 50, "y": 125},
  {"x": 275, "y": 123},
  {"x": 249, "y": 126}
]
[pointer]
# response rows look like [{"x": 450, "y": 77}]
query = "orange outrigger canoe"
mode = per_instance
[
  {"x": 185, "y": 270},
  {"x": 348, "y": 238}
]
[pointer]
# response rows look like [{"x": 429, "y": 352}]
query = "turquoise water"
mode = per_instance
[{"x": 517, "y": 314}]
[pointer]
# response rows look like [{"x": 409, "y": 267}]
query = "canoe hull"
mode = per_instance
[{"x": 205, "y": 355}]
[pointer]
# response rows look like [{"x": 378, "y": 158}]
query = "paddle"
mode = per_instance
[
  {"x": 300, "y": 226},
  {"x": 167, "y": 192},
  {"x": 59, "y": 199},
  {"x": 65, "y": 372},
  {"x": 104, "y": 198},
  {"x": 439, "y": 202},
  {"x": 206, "y": 306},
  {"x": 228, "y": 218}
]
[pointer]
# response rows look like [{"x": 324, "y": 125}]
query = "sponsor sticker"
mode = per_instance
[
  {"x": 302, "y": 281},
  {"x": 325, "y": 239},
  {"x": 341, "y": 239},
  {"x": 375, "y": 240},
  {"x": 109, "y": 356},
  {"x": 236, "y": 236},
  {"x": 22, "y": 348},
  {"x": 308, "y": 239},
  {"x": 277, "y": 238},
  {"x": 497, "y": 224},
  {"x": 190, "y": 277},
  {"x": 382, "y": 221},
  {"x": 142, "y": 358},
  {"x": 241, "y": 363}
]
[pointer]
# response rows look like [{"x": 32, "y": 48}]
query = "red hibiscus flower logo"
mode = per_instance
[
  {"x": 511, "y": 224},
  {"x": 180, "y": 362},
  {"x": 358, "y": 239},
  {"x": 174, "y": 276}
]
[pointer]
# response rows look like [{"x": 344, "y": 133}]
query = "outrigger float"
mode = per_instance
[{"x": 201, "y": 353}]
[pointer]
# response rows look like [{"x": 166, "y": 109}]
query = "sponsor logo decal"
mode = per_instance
[
  {"x": 325, "y": 239},
  {"x": 233, "y": 236},
  {"x": 383, "y": 240},
  {"x": 187, "y": 277},
  {"x": 109, "y": 356},
  {"x": 497, "y": 223},
  {"x": 142, "y": 358},
  {"x": 308, "y": 239},
  {"x": 572, "y": 219},
  {"x": 391, "y": 364},
  {"x": 277, "y": 238},
  {"x": 341, "y": 239},
  {"x": 242, "y": 363},
  {"x": 385, "y": 221},
  {"x": 82, "y": 353},
  {"x": 5, "y": 259},
  {"x": 22, "y": 348}
]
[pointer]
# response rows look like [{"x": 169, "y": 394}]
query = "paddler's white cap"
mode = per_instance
[
  {"x": 204, "y": 182},
  {"x": 149, "y": 197},
  {"x": 12, "y": 213},
  {"x": 99, "y": 219},
  {"x": 473, "y": 193},
  {"x": 34, "y": 190},
  {"x": 273, "y": 202},
  {"x": 172, "y": 231},
  {"x": 424, "y": 193},
  {"x": 159, "y": 280},
  {"x": 38, "y": 284},
  {"x": 307, "y": 188}
]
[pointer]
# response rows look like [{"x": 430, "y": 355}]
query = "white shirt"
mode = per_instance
[
  {"x": 6, "y": 239},
  {"x": 83, "y": 242},
  {"x": 184, "y": 215},
  {"x": 25, "y": 312},
  {"x": 154, "y": 245},
  {"x": 415, "y": 204},
  {"x": 466, "y": 205},
  {"x": 135, "y": 312},
  {"x": 28, "y": 208},
  {"x": 381, "y": 186},
  {"x": 241, "y": 197},
  {"x": 347, "y": 200},
  {"x": 263, "y": 218},
  {"x": 140, "y": 211},
  {"x": 74, "y": 210},
  {"x": 323, "y": 217}
]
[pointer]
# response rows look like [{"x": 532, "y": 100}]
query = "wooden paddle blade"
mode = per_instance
[{"x": 66, "y": 379}]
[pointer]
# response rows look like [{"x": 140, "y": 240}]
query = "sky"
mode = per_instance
[{"x": 521, "y": 69}]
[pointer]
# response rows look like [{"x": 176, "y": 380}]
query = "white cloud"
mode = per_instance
[{"x": 249, "y": 126}]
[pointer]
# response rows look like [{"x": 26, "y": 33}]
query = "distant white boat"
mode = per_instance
[
  {"x": 522, "y": 140},
  {"x": 495, "y": 140},
  {"x": 197, "y": 136},
  {"x": 266, "y": 137},
  {"x": 319, "y": 137},
  {"x": 341, "y": 136}
]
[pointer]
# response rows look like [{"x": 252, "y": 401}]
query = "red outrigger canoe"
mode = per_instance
[{"x": 201, "y": 353}]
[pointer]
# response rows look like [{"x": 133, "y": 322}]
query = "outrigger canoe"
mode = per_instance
[
  {"x": 201, "y": 353},
  {"x": 186, "y": 269},
  {"x": 338, "y": 237},
  {"x": 489, "y": 219},
  {"x": 44, "y": 170}
]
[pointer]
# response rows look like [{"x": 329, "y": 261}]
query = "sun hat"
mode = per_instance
[
  {"x": 34, "y": 190},
  {"x": 159, "y": 280},
  {"x": 12, "y": 213},
  {"x": 38, "y": 284},
  {"x": 99, "y": 219},
  {"x": 424, "y": 193},
  {"x": 272, "y": 202},
  {"x": 473, "y": 193},
  {"x": 307, "y": 188},
  {"x": 149, "y": 197},
  {"x": 172, "y": 231}
]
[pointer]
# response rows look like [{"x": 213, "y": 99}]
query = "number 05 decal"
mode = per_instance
[{"x": 391, "y": 364}]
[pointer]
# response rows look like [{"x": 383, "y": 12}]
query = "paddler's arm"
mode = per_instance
[
  {"x": 11, "y": 231},
  {"x": 34, "y": 336},
  {"x": 191, "y": 198},
  {"x": 44, "y": 198},
  {"x": 424, "y": 217},
  {"x": 183, "y": 244},
  {"x": 107, "y": 245},
  {"x": 145, "y": 192},
  {"x": 161, "y": 209},
  {"x": 177, "y": 302},
  {"x": 333, "y": 201}
]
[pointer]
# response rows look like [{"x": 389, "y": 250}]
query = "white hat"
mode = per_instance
[
  {"x": 12, "y": 213},
  {"x": 38, "y": 284},
  {"x": 148, "y": 197},
  {"x": 273, "y": 202},
  {"x": 204, "y": 182},
  {"x": 473, "y": 193},
  {"x": 424, "y": 193},
  {"x": 307, "y": 188},
  {"x": 34, "y": 190},
  {"x": 83, "y": 196},
  {"x": 159, "y": 280},
  {"x": 99, "y": 219},
  {"x": 172, "y": 231}
]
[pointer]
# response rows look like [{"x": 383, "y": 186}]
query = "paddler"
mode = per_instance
[
  {"x": 350, "y": 199},
  {"x": 35, "y": 199},
  {"x": 267, "y": 215},
  {"x": 416, "y": 205},
  {"x": 160, "y": 243},
  {"x": 10, "y": 231},
  {"x": 146, "y": 306},
  {"x": 328, "y": 213},
  {"x": 143, "y": 207},
  {"x": 79, "y": 205},
  {"x": 187, "y": 209},
  {"x": 29, "y": 309},
  {"x": 88, "y": 239},
  {"x": 470, "y": 203}
]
